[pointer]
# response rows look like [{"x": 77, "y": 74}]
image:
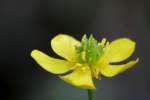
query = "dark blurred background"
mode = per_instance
[{"x": 29, "y": 24}]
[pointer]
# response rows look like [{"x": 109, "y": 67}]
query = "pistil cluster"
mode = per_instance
[{"x": 89, "y": 51}]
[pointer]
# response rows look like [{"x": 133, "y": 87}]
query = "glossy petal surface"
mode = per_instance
[
  {"x": 112, "y": 70},
  {"x": 64, "y": 46},
  {"x": 120, "y": 49},
  {"x": 81, "y": 77},
  {"x": 51, "y": 64}
]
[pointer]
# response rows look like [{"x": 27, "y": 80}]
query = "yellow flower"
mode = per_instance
[{"x": 87, "y": 59}]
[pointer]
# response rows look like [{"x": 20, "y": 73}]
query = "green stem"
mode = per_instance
[{"x": 90, "y": 94}]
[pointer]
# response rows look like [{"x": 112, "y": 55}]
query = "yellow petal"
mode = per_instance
[
  {"x": 64, "y": 46},
  {"x": 120, "y": 49},
  {"x": 50, "y": 64},
  {"x": 81, "y": 77},
  {"x": 112, "y": 70}
]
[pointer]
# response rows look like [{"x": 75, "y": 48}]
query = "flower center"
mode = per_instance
[{"x": 89, "y": 51}]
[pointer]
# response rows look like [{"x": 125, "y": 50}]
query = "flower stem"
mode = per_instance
[{"x": 90, "y": 94}]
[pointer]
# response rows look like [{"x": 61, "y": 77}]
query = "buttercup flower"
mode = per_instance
[{"x": 86, "y": 60}]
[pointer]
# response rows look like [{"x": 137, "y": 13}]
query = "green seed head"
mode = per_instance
[{"x": 89, "y": 51}]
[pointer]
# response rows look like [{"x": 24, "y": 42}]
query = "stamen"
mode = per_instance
[
  {"x": 107, "y": 44},
  {"x": 103, "y": 41},
  {"x": 83, "y": 69}
]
